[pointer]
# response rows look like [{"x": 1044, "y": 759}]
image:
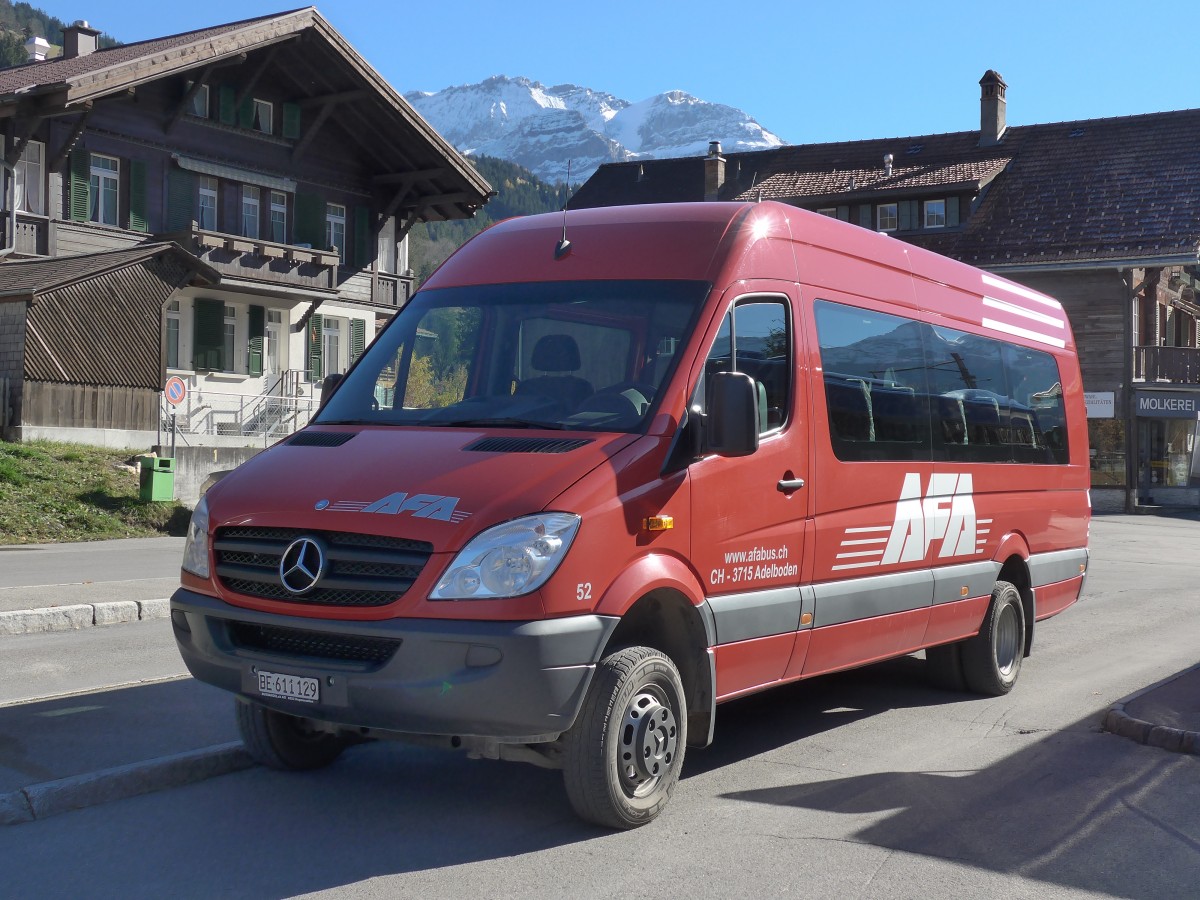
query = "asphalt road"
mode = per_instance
[{"x": 864, "y": 784}]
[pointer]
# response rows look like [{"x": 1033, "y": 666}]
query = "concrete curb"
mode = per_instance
[
  {"x": 1177, "y": 740},
  {"x": 82, "y": 615},
  {"x": 50, "y": 798}
]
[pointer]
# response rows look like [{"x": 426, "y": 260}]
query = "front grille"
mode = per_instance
[
  {"x": 295, "y": 642},
  {"x": 361, "y": 569}
]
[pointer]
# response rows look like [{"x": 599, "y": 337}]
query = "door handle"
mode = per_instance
[{"x": 787, "y": 485}]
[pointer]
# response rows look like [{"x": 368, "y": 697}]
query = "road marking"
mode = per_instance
[
  {"x": 70, "y": 711},
  {"x": 25, "y": 701}
]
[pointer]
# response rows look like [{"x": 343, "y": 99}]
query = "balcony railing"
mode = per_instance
[
  {"x": 32, "y": 234},
  {"x": 1179, "y": 365}
]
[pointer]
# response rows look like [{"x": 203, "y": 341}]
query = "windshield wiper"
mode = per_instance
[{"x": 496, "y": 422}]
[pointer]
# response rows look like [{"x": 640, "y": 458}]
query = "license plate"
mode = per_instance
[{"x": 289, "y": 687}]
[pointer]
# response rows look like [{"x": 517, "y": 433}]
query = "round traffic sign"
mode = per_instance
[{"x": 175, "y": 390}]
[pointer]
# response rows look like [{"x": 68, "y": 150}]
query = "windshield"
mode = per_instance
[{"x": 587, "y": 355}]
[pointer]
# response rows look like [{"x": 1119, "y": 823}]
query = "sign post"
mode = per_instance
[{"x": 175, "y": 391}]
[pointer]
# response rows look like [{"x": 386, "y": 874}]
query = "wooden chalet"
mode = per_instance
[
  {"x": 266, "y": 177},
  {"x": 1099, "y": 213}
]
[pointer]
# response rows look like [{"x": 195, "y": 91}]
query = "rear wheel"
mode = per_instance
[
  {"x": 280, "y": 741},
  {"x": 622, "y": 758},
  {"x": 991, "y": 660}
]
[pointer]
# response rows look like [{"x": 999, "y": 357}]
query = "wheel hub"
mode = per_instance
[{"x": 649, "y": 741}]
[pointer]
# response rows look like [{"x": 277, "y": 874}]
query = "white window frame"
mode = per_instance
[
  {"x": 335, "y": 229},
  {"x": 264, "y": 116},
  {"x": 174, "y": 329},
  {"x": 251, "y": 211},
  {"x": 887, "y": 217},
  {"x": 273, "y": 361},
  {"x": 30, "y": 171},
  {"x": 230, "y": 339},
  {"x": 935, "y": 214},
  {"x": 333, "y": 347},
  {"x": 199, "y": 105},
  {"x": 206, "y": 209},
  {"x": 106, "y": 201},
  {"x": 278, "y": 217},
  {"x": 830, "y": 211}
]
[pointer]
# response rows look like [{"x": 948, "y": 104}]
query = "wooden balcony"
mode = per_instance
[
  {"x": 32, "y": 235},
  {"x": 1178, "y": 365},
  {"x": 254, "y": 259}
]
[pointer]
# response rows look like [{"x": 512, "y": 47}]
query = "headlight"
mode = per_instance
[
  {"x": 510, "y": 559},
  {"x": 195, "y": 549}
]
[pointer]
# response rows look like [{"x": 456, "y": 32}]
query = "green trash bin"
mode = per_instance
[{"x": 157, "y": 478}]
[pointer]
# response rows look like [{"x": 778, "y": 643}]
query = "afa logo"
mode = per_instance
[
  {"x": 419, "y": 506},
  {"x": 939, "y": 518}
]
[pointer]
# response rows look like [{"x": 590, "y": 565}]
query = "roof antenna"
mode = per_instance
[{"x": 564, "y": 246}]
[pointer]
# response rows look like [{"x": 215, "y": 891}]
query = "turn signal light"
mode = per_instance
[{"x": 659, "y": 523}]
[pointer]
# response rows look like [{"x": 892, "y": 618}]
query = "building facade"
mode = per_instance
[
  {"x": 267, "y": 150},
  {"x": 1101, "y": 213}
]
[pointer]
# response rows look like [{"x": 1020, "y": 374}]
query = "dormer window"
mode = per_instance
[
  {"x": 263, "y": 116},
  {"x": 935, "y": 213},
  {"x": 198, "y": 106},
  {"x": 887, "y": 217}
]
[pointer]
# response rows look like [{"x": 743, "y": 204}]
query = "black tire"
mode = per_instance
[
  {"x": 943, "y": 667},
  {"x": 284, "y": 742},
  {"x": 992, "y": 659},
  {"x": 622, "y": 758}
]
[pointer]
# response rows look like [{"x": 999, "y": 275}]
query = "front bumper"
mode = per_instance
[{"x": 515, "y": 682}]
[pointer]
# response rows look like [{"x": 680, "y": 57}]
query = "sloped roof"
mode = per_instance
[
  {"x": 29, "y": 278},
  {"x": 439, "y": 170},
  {"x": 1098, "y": 190}
]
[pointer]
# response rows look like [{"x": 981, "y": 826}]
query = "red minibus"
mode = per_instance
[{"x": 610, "y": 468}]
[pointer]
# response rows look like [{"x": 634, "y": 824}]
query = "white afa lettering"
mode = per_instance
[{"x": 944, "y": 512}]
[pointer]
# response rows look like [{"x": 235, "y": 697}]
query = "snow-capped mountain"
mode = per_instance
[{"x": 542, "y": 128}]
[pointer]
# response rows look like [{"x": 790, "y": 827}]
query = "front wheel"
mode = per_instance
[
  {"x": 621, "y": 760},
  {"x": 991, "y": 661},
  {"x": 280, "y": 741}
]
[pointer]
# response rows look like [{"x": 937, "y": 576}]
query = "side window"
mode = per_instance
[
  {"x": 875, "y": 387},
  {"x": 756, "y": 338}
]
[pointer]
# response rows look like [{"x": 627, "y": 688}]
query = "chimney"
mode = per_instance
[
  {"x": 992, "y": 108},
  {"x": 36, "y": 49},
  {"x": 714, "y": 171},
  {"x": 887, "y": 165},
  {"x": 79, "y": 40}
]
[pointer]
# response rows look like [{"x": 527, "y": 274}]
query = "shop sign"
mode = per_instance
[
  {"x": 1163, "y": 405},
  {"x": 1100, "y": 404}
]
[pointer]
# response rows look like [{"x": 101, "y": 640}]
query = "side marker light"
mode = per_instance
[{"x": 658, "y": 523}]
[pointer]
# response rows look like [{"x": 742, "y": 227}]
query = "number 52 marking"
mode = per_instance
[{"x": 583, "y": 591}]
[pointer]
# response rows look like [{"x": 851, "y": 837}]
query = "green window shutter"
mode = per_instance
[
  {"x": 843, "y": 213},
  {"x": 258, "y": 339},
  {"x": 363, "y": 257},
  {"x": 291, "y": 120},
  {"x": 316, "y": 369},
  {"x": 310, "y": 219},
  {"x": 245, "y": 113},
  {"x": 951, "y": 212},
  {"x": 181, "y": 193},
  {"x": 907, "y": 213},
  {"x": 227, "y": 111},
  {"x": 208, "y": 334},
  {"x": 866, "y": 216},
  {"x": 81, "y": 186},
  {"x": 358, "y": 338},
  {"x": 138, "y": 219}
]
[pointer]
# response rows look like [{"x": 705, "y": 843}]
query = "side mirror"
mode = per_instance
[
  {"x": 732, "y": 421},
  {"x": 327, "y": 388}
]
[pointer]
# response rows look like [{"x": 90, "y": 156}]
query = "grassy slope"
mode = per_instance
[{"x": 73, "y": 492}]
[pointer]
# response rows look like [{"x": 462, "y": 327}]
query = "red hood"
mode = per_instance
[{"x": 418, "y": 483}]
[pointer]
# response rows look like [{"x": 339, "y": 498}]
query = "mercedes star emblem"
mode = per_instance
[{"x": 302, "y": 565}]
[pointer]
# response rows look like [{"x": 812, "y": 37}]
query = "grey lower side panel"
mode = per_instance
[
  {"x": 1050, "y": 568},
  {"x": 879, "y": 595},
  {"x": 755, "y": 614},
  {"x": 977, "y": 578}
]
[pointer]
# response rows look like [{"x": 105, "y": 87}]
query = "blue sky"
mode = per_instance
[{"x": 807, "y": 71}]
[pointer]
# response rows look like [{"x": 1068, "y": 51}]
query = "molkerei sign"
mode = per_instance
[{"x": 1162, "y": 405}]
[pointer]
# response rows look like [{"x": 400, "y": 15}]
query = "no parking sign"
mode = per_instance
[{"x": 175, "y": 390}]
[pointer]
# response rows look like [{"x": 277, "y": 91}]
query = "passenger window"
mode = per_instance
[
  {"x": 755, "y": 338},
  {"x": 875, "y": 386}
]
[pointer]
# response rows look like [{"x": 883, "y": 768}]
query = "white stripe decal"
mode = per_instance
[
  {"x": 881, "y": 540},
  {"x": 862, "y": 565},
  {"x": 859, "y": 554},
  {"x": 865, "y": 530},
  {"x": 1025, "y": 333},
  {"x": 1024, "y": 313},
  {"x": 992, "y": 281}
]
